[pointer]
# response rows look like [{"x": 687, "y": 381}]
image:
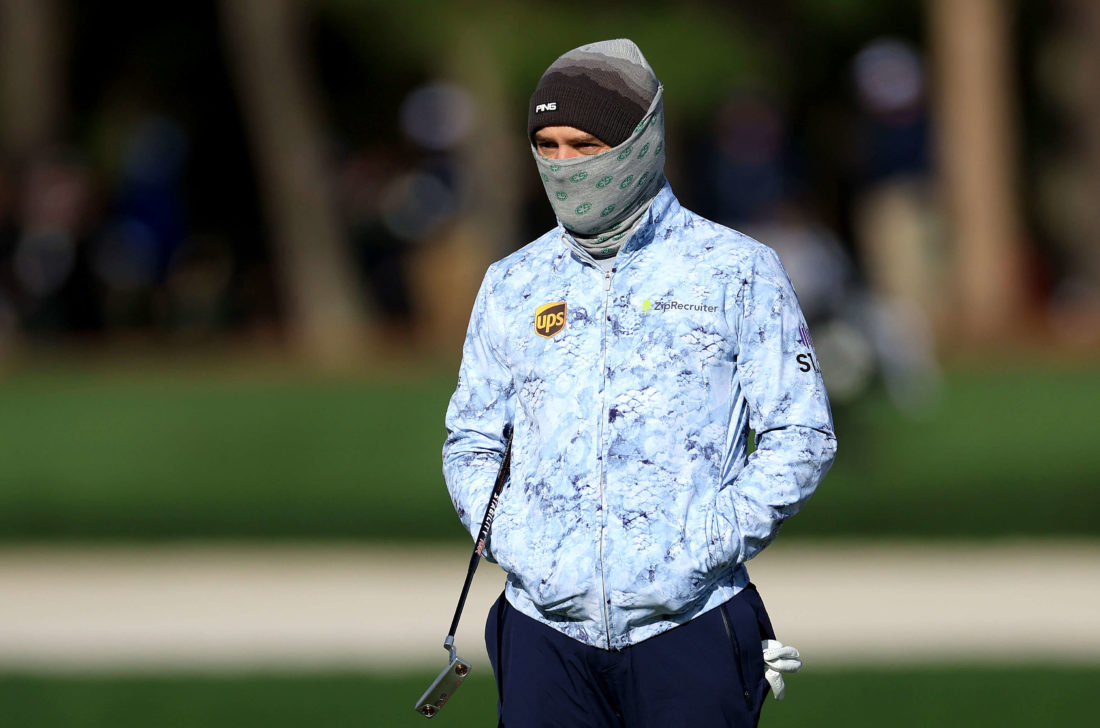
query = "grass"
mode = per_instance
[
  {"x": 174, "y": 455},
  {"x": 897, "y": 697},
  {"x": 1004, "y": 453},
  {"x": 164, "y": 457}
]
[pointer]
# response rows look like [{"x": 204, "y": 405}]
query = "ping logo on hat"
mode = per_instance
[
  {"x": 550, "y": 319},
  {"x": 552, "y": 106}
]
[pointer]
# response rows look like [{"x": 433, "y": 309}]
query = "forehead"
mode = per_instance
[{"x": 563, "y": 134}]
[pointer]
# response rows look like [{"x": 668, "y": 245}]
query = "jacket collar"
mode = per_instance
[{"x": 661, "y": 212}]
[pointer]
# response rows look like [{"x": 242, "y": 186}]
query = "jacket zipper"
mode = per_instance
[
  {"x": 736, "y": 657},
  {"x": 603, "y": 420}
]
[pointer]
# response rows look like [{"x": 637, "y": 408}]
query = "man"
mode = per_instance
[{"x": 630, "y": 349}]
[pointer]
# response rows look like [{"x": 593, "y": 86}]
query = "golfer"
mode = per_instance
[{"x": 632, "y": 348}]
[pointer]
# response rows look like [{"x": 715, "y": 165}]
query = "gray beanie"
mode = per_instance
[{"x": 602, "y": 88}]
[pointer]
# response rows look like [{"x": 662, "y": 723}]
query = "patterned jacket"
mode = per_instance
[{"x": 633, "y": 501}]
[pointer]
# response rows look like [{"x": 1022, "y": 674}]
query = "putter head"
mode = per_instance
[{"x": 443, "y": 687}]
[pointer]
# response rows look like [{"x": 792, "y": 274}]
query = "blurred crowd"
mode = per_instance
[
  {"x": 161, "y": 230},
  {"x": 869, "y": 312},
  {"x": 86, "y": 250},
  {"x": 80, "y": 253}
]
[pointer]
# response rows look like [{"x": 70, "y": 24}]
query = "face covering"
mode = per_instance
[{"x": 600, "y": 198}]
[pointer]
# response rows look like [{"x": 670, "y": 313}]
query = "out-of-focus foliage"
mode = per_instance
[{"x": 700, "y": 50}]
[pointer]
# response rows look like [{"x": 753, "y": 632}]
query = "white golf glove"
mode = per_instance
[{"x": 778, "y": 659}]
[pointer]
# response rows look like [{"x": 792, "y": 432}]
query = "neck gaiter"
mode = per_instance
[{"x": 601, "y": 198}]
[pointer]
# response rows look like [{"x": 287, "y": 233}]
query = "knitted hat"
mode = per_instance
[{"x": 602, "y": 88}]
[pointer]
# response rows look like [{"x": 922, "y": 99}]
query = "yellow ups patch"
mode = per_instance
[{"x": 550, "y": 319}]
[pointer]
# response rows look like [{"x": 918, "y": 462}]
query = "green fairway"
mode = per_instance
[
  {"x": 940, "y": 696},
  {"x": 157, "y": 456}
]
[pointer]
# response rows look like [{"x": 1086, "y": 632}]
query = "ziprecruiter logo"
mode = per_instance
[{"x": 650, "y": 305}]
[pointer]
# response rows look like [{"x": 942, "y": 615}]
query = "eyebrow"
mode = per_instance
[{"x": 586, "y": 139}]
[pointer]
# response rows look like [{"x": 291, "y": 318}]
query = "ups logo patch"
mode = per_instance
[{"x": 550, "y": 319}]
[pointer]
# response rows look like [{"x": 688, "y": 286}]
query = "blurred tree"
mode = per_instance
[
  {"x": 1083, "y": 108},
  {"x": 971, "y": 52},
  {"x": 32, "y": 83},
  {"x": 489, "y": 226},
  {"x": 324, "y": 309}
]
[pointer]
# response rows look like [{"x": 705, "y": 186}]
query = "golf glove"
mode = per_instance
[{"x": 778, "y": 659}]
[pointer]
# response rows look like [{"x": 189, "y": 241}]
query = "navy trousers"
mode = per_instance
[{"x": 708, "y": 673}]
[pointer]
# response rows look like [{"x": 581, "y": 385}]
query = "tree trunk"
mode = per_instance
[
  {"x": 448, "y": 272},
  {"x": 1084, "y": 16},
  {"x": 970, "y": 44},
  {"x": 266, "y": 51},
  {"x": 31, "y": 76}
]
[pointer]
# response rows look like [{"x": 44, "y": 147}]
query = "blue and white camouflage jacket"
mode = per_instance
[{"x": 633, "y": 502}]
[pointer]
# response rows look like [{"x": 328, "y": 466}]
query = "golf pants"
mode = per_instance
[{"x": 708, "y": 672}]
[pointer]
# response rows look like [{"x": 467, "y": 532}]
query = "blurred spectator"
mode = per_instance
[
  {"x": 199, "y": 279},
  {"x": 147, "y": 223},
  {"x": 754, "y": 183},
  {"x": 895, "y": 222},
  {"x": 861, "y": 338},
  {"x": 893, "y": 132},
  {"x": 437, "y": 116},
  {"x": 1067, "y": 171},
  {"x": 8, "y": 237},
  {"x": 45, "y": 226},
  {"x": 747, "y": 163},
  {"x": 381, "y": 254},
  {"x": 399, "y": 204}
]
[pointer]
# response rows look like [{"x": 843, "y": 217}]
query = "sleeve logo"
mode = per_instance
[
  {"x": 550, "y": 319},
  {"x": 806, "y": 362}
]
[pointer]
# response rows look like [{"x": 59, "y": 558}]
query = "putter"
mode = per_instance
[{"x": 444, "y": 686}]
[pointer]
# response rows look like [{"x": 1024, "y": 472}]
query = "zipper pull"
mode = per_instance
[{"x": 607, "y": 280}]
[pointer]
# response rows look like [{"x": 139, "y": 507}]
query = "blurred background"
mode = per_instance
[{"x": 239, "y": 242}]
